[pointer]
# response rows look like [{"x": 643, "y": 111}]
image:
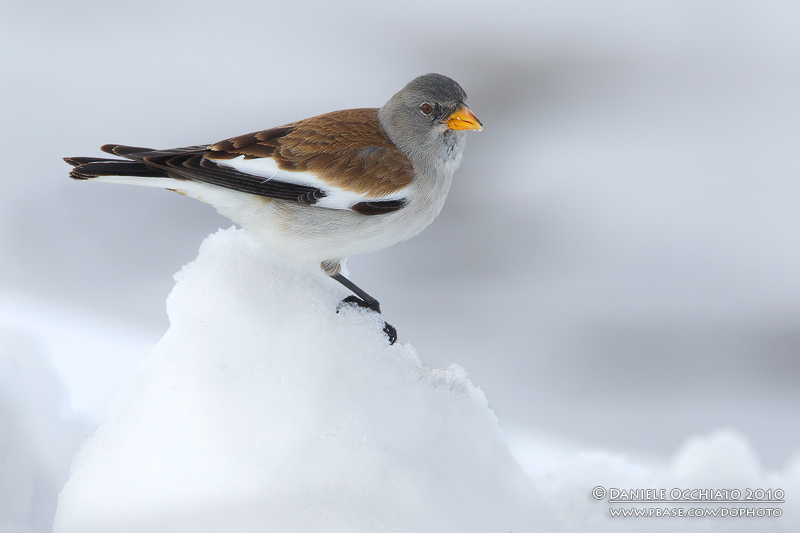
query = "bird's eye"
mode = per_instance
[{"x": 426, "y": 108}]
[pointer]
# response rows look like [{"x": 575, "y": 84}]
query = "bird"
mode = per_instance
[{"x": 321, "y": 189}]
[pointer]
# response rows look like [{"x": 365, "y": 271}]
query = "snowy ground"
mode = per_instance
[
  {"x": 264, "y": 409},
  {"x": 615, "y": 268}
]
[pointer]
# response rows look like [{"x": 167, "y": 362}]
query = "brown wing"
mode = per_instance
[{"x": 347, "y": 150}]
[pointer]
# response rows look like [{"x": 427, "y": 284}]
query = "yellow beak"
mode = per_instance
[{"x": 463, "y": 119}]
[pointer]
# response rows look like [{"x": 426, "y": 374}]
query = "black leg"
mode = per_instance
[
  {"x": 366, "y": 299},
  {"x": 362, "y": 299}
]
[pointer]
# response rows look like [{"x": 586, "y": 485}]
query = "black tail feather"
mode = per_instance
[
  {"x": 92, "y": 167},
  {"x": 189, "y": 163}
]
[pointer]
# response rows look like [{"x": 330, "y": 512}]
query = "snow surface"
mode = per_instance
[
  {"x": 38, "y": 436},
  {"x": 566, "y": 474},
  {"x": 262, "y": 409},
  {"x": 91, "y": 352}
]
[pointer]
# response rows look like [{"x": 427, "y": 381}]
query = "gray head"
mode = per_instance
[{"x": 428, "y": 116}]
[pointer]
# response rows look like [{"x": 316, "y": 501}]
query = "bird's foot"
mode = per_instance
[
  {"x": 388, "y": 329},
  {"x": 373, "y": 305}
]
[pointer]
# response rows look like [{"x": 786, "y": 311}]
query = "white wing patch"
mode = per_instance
[{"x": 336, "y": 198}]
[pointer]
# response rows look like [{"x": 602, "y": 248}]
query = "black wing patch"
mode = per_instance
[
  {"x": 196, "y": 167},
  {"x": 378, "y": 208}
]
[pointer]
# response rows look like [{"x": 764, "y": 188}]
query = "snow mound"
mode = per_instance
[{"x": 263, "y": 409}]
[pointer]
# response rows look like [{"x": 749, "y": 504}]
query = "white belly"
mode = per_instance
[{"x": 311, "y": 234}]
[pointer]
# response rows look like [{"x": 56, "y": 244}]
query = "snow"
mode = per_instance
[
  {"x": 38, "y": 437},
  {"x": 91, "y": 352},
  {"x": 262, "y": 408},
  {"x": 723, "y": 459}
]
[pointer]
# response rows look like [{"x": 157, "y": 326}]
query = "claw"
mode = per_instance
[{"x": 390, "y": 331}]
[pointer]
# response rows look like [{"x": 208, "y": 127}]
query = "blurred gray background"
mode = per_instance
[{"x": 618, "y": 260}]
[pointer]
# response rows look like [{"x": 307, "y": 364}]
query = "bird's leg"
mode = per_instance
[{"x": 362, "y": 299}]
